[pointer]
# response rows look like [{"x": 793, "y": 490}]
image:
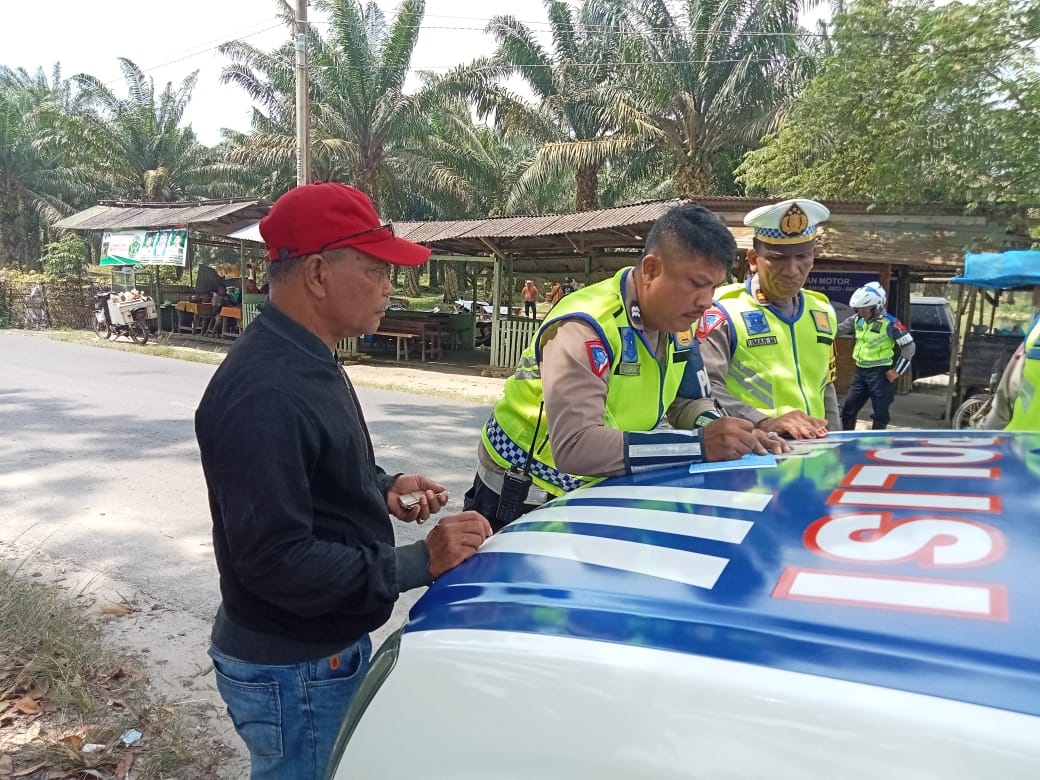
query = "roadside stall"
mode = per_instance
[
  {"x": 140, "y": 236},
  {"x": 988, "y": 339}
]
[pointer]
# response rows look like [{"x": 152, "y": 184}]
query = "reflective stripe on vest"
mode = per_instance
[{"x": 778, "y": 365}]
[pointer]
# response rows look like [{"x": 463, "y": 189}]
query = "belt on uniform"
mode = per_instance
[
  {"x": 512, "y": 453},
  {"x": 495, "y": 481}
]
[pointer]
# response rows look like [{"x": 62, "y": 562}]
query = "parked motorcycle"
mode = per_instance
[{"x": 136, "y": 318}]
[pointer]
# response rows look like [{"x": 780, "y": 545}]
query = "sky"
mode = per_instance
[{"x": 169, "y": 41}]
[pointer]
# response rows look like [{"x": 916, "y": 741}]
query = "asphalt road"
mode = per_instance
[{"x": 99, "y": 465}]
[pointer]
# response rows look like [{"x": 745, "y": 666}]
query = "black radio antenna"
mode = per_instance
[{"x": 534, "y": 440}]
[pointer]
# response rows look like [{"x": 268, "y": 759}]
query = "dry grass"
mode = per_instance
[
  {"x": 156, "y": 349},
  {"x": 67, "y": 698}
]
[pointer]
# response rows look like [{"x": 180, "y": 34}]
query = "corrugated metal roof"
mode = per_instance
[
  {"x": 533, "y": 226},
  {"x": 928, "y": 236},
  {"x": 220, "y": 217},
  {"x": 428, "y": 232}
]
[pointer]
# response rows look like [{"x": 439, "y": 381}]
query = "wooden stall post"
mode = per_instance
[{"x": 955, "y": 349}]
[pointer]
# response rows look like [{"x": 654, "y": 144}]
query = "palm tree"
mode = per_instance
[
  {"x": 38, "y": 185},
  {"x": 363, "y": 126},
  {"x": 707, "y": 79},
  {"x": 472, "y": 171},
  {"x": 571, "y": 84},
  {"x": 268, "y": 152},
  {"x": 362, "y": 122},
  {"x": 136, "y": 145}
]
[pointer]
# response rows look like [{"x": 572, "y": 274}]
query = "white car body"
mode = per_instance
[{"x": 867, "y": 608}]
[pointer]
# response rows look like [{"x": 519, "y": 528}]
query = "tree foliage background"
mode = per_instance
[
  {"x": 894, "y": 102},
  {"x": 916, "y": 103}
]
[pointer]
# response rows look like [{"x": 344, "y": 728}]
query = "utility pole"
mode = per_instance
[{"x": 303, "y": 103}]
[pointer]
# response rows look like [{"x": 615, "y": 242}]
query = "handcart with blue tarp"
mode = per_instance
[{"x": 986, "y": 345}]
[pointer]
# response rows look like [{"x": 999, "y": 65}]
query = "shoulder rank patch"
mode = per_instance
[
  {"x": 684, "y": 339},
  {"x": 598, "y": 358},
  {"x": 709, "y": 321},
  {"x": 756, "y": 322},
  {"x": 822, "y": 321}
]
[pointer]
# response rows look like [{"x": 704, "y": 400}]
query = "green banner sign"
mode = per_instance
[{"x": 145, "y": 247}]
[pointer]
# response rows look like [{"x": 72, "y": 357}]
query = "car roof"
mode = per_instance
[
  {"x": 899, "y": 559},
  {"x": 928, "y": 299}
]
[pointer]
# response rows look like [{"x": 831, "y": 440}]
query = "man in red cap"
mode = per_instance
[{"x": 301, "y": 512}]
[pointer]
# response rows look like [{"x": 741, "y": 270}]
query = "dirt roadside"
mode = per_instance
[{"x": 170, "y": 644}]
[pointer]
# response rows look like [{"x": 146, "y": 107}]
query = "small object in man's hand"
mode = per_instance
[{"x": 411, "y": 500}]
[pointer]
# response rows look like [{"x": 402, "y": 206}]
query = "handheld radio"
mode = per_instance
[{"x": 516, "y": 483}]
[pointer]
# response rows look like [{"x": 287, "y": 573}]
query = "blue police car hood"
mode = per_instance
[{"x": 905, "y": 560}]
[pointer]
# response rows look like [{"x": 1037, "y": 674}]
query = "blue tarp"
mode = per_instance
[{"x": 1001, "y": 270}]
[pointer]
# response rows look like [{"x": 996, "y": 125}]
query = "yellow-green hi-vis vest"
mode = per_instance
[
  {"x": 778, "y": 365},
  {"x": 1026, "y": 414},
  {"x": 874, "y": 347},
  {"x": 639, "y": 390}
]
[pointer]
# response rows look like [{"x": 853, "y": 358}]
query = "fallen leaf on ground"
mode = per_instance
[
  {"x": 73, "y": 741},
  {"x": 117, "y": 609},
  {"x": 124, "y": 765},
  {"x": 28, "y": 706}
]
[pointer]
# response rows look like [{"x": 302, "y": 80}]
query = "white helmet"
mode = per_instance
[{"x": 871, "y": 294}]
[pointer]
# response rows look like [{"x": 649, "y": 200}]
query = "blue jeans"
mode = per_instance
[
  {"x": 873, "y": 384},
  {"x": 289, "y": 716}
]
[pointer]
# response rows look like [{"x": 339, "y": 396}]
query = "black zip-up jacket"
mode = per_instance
[{"x": 303, "y": 540}]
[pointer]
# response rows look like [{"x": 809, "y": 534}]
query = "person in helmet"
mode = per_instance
[{"x": 877, "y": 368}]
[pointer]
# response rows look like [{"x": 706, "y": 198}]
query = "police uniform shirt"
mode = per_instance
[
  {"x": 575, "y": 399},
  {"x": 715, "y": 351},
  {"x": 1003, "y": 405}
]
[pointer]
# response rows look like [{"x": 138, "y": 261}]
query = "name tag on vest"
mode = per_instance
[
  {"x": 761, "y": 341},
  {"x": 628, "y": 369}
]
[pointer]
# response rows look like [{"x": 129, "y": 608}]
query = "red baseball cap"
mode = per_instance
[{"x": 327, "y": 215}]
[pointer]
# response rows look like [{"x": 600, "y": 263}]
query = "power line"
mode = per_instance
[
  {"x": 604, "y": 30},
  {"x": 206, "y": 48},
  {"x": 197, "y": 51}
]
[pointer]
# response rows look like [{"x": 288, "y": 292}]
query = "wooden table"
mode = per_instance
[
  {"x": 231, "y": 313},
  {"x": 202, "y": 317},
  {"x": 187, "y": 316},
  {"x": 405, "y": 330}
]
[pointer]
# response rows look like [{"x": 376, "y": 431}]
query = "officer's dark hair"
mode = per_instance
[{"x": 695, "y": 230}]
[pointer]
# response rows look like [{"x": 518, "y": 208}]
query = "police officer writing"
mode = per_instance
[
  {"x": 877, "y": 336},
  {"x": 301, "y": 511},
  {"x": 603, "y": 369},
  {"x": 767, "y": 342}
]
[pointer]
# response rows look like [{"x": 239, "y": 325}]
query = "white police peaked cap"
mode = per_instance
[{"x": 788, "y": 222}]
